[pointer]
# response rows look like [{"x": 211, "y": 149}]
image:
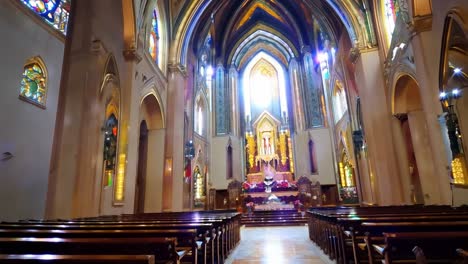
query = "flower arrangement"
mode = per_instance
[{"x": 280, "y": 185}]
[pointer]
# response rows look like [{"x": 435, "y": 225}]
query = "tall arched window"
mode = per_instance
[
  {"x": 154, "y": 46},
  {"x": 34, "y": 82},
  {"x": 110, "y": 149},
  {"x": 339, "y": 101},
  {"x": 199, "y": 116},
  {"x": 264, "y": 83},
  {"x": 264, "y": 87},
  {"x": 390, "y": 13},
  {"x": 54, "y": 12}
]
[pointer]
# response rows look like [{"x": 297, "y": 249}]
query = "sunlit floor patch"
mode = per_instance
[{"x": 276, "y": 245}]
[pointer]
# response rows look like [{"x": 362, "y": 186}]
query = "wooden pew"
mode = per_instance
[
  {"x": 164, "y": 249},
  {"x": 431, "y": 246},
  {"x": 333, "y": 229},
  {"x": 187, "y": 239},
  {"x": 76, "y": 259},
  {"x": 226, "y": 222},
  {"x": 223, "y": 237},
  {"x": 374, "y": 232},
  {"x": 183, "y": 232},
  {"x": 364, "y": 233}
]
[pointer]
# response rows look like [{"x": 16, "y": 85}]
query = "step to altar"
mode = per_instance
[{"x": 274, "y": 218}]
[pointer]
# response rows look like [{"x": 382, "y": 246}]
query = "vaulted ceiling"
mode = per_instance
[{"x": 242, "y": 28}]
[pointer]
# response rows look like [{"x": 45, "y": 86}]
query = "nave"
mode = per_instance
[{"x": 279, "y": 244}]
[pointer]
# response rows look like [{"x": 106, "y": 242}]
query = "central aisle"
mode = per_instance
[{"x": 275, "y": 245}]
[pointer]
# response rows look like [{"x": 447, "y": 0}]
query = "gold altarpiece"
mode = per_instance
[{"x": 268, "y": 151}]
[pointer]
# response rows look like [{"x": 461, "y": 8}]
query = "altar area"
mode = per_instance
[{"x": 269, "y": 183}]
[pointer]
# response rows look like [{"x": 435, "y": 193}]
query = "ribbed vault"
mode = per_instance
[{"x": 306, "y": 23}]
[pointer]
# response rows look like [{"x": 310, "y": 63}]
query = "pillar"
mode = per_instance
[
  {"x": 75, "y": 178},
  {"x": 378, "y": 131},
  {"x": 423, "y": 153},
  {"x": 173, "y": 179},
  {"x": 427, "y": 73}
]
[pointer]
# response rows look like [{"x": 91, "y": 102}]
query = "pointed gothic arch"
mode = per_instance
[{"x": 201, "y": 117}]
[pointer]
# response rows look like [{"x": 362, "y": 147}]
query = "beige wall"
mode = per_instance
[
  {"x": 323, "y": 150},
  {"x": 26, "y": 130},
  {"x": 154, "y": 171},
  {"x": 218, "y": 161}
]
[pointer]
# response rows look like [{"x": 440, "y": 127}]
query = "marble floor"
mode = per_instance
[{"x": 272, "y": 245}]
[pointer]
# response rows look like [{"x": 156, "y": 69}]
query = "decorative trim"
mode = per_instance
[
  {"x": 422, "y": 21},
  {"x": 25, "y": 99},
  {"x": 132, "y": 54},
  {"x": 421, "y": 24},
  {"x": 177, "y": 67}
]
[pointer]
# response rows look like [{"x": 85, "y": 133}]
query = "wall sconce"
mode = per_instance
[{"x": 448, "y": 98}]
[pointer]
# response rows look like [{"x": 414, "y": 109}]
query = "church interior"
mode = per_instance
[{"x": 136, "y": 109}]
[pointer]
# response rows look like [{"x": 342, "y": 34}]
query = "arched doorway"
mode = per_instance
[
  {"x": 407, "y": 108},
  {"x": 141, "y": 170},
  {"x": 148, "y": 185},
  {"x": 415, "y": 183}
]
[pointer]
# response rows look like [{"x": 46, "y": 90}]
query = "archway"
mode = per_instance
[
  {"x": 148, "y": 187},
  {"x": 414, "y": 153}
]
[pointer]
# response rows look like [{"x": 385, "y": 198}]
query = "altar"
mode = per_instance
[
  {"x": 269, "y": 181},
  {"x": 269, "y": 150},
  {"x": 278, "y": 176}
]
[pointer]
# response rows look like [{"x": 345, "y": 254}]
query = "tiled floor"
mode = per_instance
[{"x": 274, "y": 245}]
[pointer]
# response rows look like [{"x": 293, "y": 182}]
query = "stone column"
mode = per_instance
[
  {"x": 233, "y": 80},
  {"x": 427, "y": 73},
  {"x": 75, "y": 180},
  {"x": 173, "y": 179},
  {"x": 378, "y": 130},
  {"x": 423, "y": 153}
]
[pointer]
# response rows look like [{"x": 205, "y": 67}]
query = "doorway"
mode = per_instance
[
  {"x": 416, "y": 195},
  {"x": 407, "y": 107},
  {"x": 141, "y": 171}
]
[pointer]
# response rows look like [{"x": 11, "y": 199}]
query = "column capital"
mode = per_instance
[
  {"x": 177, "y": 68},
  {"x": 132, "y": 54}
]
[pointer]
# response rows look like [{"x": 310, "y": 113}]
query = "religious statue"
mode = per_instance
[{"x": 267, "y": 147}]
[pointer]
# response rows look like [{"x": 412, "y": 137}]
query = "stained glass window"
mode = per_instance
[
  {"x": 54, "y": 12},
  {"x": 199, "y": 116},
  {"x": 33, "y": 85},
  {"x": 390, "y": 17},
  {"x": 110, "y": 149},
  {"x": 154, "y": 37},
  {"x": 339, "y": 102}
]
